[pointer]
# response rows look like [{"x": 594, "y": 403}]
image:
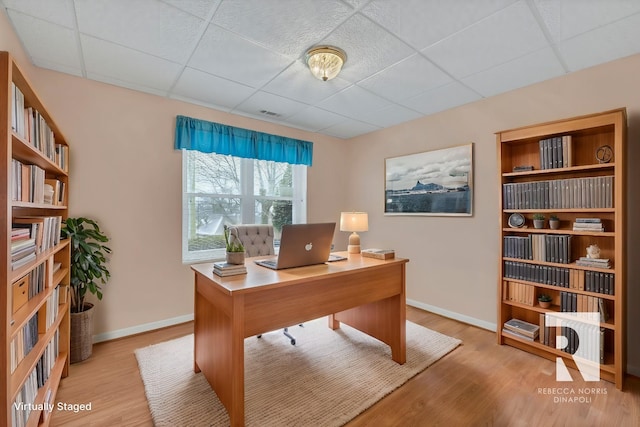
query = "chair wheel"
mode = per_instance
[
  {"x": 260, "y": 336},
  {"x": 293, "y": 342}
]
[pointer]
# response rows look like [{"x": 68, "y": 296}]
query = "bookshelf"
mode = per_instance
[
  {"x": 35, "y": 275},
  {"x": 574, "y": 169}
]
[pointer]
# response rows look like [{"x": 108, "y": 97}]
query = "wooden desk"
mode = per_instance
[{"x": 365, "y": 293}]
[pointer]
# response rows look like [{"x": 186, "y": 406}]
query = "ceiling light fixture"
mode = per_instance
[{"x": 325, "y": 62}]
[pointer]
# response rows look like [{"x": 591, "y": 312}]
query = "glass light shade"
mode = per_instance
[
  {"x": 354, "y": 221},
  {"x": 325, "y": 62}
]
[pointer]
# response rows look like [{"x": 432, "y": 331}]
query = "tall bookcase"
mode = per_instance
[
  {"x": 35, "y": 273},
  {"x": 574, "y": 169}
]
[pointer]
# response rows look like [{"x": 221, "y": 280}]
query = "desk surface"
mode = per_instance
[{"x": 258, "y": 276}]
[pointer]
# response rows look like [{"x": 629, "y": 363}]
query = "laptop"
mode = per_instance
[{"x": 302, "y": 244}]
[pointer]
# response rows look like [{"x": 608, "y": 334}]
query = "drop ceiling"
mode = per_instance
[{"x": 406, "y": 58}]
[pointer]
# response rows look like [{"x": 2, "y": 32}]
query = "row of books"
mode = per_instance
[
  {"x": 29, "y": 184},
  {"x": 520, "y": 293},
  {"x": 24, "y": 402},
  {"x": 591, "y": 281},
  {"x": 31, "y": 126},
  {"x": 571, "y": 193},
  {"x": 556, "y": 152},
  {"x": 51, "y": 308},
  {"x": 23, "y": 342},
  {"x": 588, "y": 224},
  {"x": 589, "y": 338},
  {"x": 571, "y": 302},
  {"x": 44, "y": 229},
  {"x": 225, "y": 269},
  {"x": 539, "y": 247}
]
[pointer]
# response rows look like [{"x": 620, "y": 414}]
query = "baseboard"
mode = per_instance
[
  {"x": 146, "y": 327},
  {"x": 453, "y": 315}
]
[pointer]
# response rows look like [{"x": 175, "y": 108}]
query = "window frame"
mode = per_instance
[{"x": 247, "y": 198}]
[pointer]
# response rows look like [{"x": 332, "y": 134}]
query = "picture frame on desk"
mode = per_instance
[{"x": 431, "y": 183}]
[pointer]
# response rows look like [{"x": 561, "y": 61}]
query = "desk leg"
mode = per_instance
[{"x": 333, "y": 322}]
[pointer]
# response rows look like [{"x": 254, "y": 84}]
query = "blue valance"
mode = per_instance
[{"x": 211, "y": 137}]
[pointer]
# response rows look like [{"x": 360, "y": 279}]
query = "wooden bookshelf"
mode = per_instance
[
  {"x": 574, "y": 188},
  {"x": 47, "y": 308}
]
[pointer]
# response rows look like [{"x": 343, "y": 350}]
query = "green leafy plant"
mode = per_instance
[
  {"x": 232, "y": 240},
  {"x": 545, "y": 298},
  {"x": 553, "y": 217},
  {"x": 538, "y": 216},
  {"x": 88, "y": 259}
]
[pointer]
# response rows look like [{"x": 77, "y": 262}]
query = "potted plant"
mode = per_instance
[
  {"x": 235, "y": 249},
  {"x": 545, "y": 300},
  {"x": 554, "y": 222},
  {"x": 538, "y": 220},
  {"x": 88, "y": 274}
]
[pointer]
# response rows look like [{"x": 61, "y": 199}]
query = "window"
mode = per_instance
[{"x": 219, "y": 190}]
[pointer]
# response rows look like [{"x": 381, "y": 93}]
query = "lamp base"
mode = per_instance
[{"x": 354, "y": 243}]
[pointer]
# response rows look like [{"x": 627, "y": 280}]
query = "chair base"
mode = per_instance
[{"x": 286, "y": 333}]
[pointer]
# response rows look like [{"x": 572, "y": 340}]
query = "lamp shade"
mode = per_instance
[
  {"x": 325, "y": 62},
  {"x": 354, "y": 221}
]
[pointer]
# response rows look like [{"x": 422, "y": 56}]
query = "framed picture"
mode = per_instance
[{"x": 438, "y": 182}]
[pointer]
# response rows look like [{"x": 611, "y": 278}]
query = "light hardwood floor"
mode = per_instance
[{"x": 478, "y": 384}]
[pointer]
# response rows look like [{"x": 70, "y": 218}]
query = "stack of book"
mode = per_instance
[
  {"x": 23, "y": 247},
  {"x": 521, "y": 329},
  {"x": 226, "y": 269},
  {"x": 378, "y": 253},
  {"x": 593, "y": 262},
  {"x": 588, "y": 224}
]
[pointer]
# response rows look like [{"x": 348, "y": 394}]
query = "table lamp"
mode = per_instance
[{"x": 354, "y": 221}]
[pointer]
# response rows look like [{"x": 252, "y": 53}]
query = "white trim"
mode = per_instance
[
  {"x": 146, "y": 327},
  {"x": 453, "y": 315}
]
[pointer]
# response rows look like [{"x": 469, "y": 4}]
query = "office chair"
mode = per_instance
[{"x": 257, "y": 240}]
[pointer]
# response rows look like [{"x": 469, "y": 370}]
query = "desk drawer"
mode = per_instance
[{"x": 20, "y": 292}]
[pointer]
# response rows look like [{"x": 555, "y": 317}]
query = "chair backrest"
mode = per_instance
[{"x": 257, "y": 239}]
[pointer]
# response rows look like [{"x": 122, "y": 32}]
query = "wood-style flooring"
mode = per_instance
[{"x": 478, "y": 384}]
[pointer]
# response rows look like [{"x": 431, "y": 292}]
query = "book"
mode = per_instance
[
  {"x": 378, "y": 253},
  {"x": 521, "y": 327},
  {"x": 226, "y": 269},
  {"x": 516, "y": 334}
]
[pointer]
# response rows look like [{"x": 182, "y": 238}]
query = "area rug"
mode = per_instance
[{"x": 326, "y": 379}]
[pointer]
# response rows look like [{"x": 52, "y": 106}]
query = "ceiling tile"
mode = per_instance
[
  {"x": 406, "y": 79},
  {"x": 55, "y": 11},
  {"x": 106, "y": 61},
  {"x": 502, "y": 37},
  {"x": 199, "y": 8},
  {"x": 146, "y": 25},
  {"x": 391, "y": 115},
  {"x": 422, "y": 23},
  {"x": 260, "y": 101},
  {"x": 243, "y": 61},
  {"x": 297, "y": 82},
  {"x": 210, "y": 90},
  {"x": 532, "y": 68},
  {"x": 314, "y": 119},
  {"x": 349, "y": 128},
  {"x": 48, "y": 43},
  {"x": 292, "y": 26},
  {"x": 354, "y": 102},
  {"x": 613, "y": 41},
  {"x": 369, "y": 48},
  {"x": 442, "y": 98},
  {"x": 566, "y": 19}
]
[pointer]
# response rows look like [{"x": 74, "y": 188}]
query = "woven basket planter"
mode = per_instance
[{"x": 81, "y": 335}]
